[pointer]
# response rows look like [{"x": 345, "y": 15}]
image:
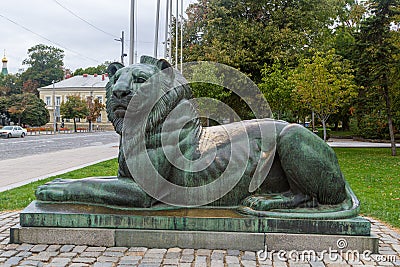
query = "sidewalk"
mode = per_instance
[
  {"x": 351, "y": 143},
  {"x": 20, "y": 171},
  {"x": 73, "y": 256}
]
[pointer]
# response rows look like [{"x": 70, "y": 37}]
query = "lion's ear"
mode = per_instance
[
  {"x": 113, "y": 67},
  {"x": 166, "y": 68}
]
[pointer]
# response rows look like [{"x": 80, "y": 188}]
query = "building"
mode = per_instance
[
  {"x": 84, "y": 86},
  {"x": 4, "y": 69}
]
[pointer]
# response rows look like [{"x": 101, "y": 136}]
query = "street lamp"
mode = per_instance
[{"x": 54, "y": 109}]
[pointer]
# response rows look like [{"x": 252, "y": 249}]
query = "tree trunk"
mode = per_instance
[
  {"x": 390, "y": 120},
  {"x": 90, "y": 126},
  {"x": 74, "y": 125},
  {"x": 324, "y": 127}
]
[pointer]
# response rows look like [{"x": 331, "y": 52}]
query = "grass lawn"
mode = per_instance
[
  {"x": 19, "y": 198},
  {"x": 373, "y": 174}
]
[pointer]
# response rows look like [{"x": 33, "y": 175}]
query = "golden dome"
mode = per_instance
[{"x": 4, "y": 59}]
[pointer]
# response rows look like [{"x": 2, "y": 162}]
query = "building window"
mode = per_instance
[
  {"x": 99, "y": 118},
  {"x": 100, "y": 98},
  {"x": 48, "y": 100},
  {"x": 58, "y": 100}
]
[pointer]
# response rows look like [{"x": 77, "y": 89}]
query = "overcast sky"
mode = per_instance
[{"x": 61, "y": 23}]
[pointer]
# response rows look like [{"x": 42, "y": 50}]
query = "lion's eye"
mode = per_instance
[{"x": 140, "y": 80}]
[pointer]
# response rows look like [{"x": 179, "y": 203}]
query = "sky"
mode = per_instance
[{"x": 84, "y": 29}]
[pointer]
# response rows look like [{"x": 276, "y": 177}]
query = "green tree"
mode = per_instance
[
  {"x": 277, "y": 88},
  {"x": 323, "y": 83},
  {"x": 36, "y": 113},
  {"x": 10, "y": 84},
  {"x": 377, "y": 57},
  {"x": 100, "y": 69},
  {"x": 94, "y": 110},
  {"x": 208, "y": 85},
  {"x": 45, "y": 65},
  {"x": 74, "y": 108},
  {"x": 247, "y": 34}
]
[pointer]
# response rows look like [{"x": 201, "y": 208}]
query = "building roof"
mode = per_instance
[{"x": 81, "y": 81}]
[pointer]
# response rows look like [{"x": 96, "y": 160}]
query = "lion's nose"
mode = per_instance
[{"x": 120, "y": 93}]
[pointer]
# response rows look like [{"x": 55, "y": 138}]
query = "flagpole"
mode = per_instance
[
  {"x": 156, "y": 29},
  {"x": 132, "y": 33}
]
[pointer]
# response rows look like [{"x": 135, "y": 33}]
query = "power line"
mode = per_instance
[
  {"x": 47, "y": 39},
  {"x": 82, "y": 19}
]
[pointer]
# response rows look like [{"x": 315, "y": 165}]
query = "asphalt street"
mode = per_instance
[{"x": 13, "y": 148}]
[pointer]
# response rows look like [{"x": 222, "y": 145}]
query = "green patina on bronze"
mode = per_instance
[
  {"x": 304, "y": 181},
  {"x": 39, "y": 214}
]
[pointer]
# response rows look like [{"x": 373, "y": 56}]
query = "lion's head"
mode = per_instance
[{"x": 125, "y": 82}]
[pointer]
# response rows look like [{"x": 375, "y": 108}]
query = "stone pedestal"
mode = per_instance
[{"x": 212, "y": 228}]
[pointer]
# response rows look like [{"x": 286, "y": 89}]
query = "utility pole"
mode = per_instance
[
  {"x": 132, "y": 33},
  {"x": 122, "y": 40},
  {"x": 156, "y": 30},
  {"x": 176, "y": 33},
  {"x": 166, "y": 30}
]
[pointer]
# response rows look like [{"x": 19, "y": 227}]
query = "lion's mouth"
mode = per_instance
[{"x": 119, "y": 111}]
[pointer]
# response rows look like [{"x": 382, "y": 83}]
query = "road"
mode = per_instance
[{"x": 33, "y": 145}]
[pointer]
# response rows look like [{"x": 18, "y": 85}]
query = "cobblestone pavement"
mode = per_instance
[{"x": 74, "y": 256}]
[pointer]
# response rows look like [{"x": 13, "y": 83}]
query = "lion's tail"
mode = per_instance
[{"x": 349, "y": 208}]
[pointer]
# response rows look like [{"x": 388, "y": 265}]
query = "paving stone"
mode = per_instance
[
  {"x": 24, "y": 254},
  {"x": 188, "y": 251},
  {"x": 67, "y": 248},
  {"x": 67, "y": 255},
  {"x": 248, "y": 263},
  {"x": 113, "y": 254},
  {"x": 233, "y": 252},
  {"x": 249, "y": 255},
  {"x": 172, "y": 250},
  {"x": 42, "y": 256},
  {"x": 83, "y": 260},
  {"x": 231, "y": 260},
  {"x": 39, "y": 248},
  {"x": 79, "y": 249},
  {"x": 136, "y": 249},
  {"x": 13, "y": 261},
  {"x": 79, "y": 265},
  {"x": 317, "y": 264},
  {"x": 31, "y": 263},
  {"x": 90, "y": 254},
  {"x": 149, "y": 265},
  {"x": 52, "y": 248},
  {"x": 217, "y": 263},
  {"x": 151, "y": 260},
  {"x": 186, "y": 258},
  {"x": 172, "y": 255},
  {"x": 24, "y": 247},
  {"x": 217, "y": 255},
  {"x": 117, "y": 249},
  {"x": 171, "y": 261},
  {"x": 156, "y": 251},
  {"x": 203, "y": 252},
  {"x": 95, "y": 249},
  {"x": 107, "y": 259},
  {"x": 9, "y": 253},
  {"x": 103, "y": 264}
]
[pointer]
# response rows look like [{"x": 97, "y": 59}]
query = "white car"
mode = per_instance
[{"x": 13, "y": 131}]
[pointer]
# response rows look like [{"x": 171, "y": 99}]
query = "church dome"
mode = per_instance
[{"x": 4, "y": 59}]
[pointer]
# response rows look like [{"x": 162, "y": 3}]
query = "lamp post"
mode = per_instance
[{"x": 54, "y": 109}]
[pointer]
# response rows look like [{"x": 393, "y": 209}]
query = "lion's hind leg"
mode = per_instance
[{"x": 310, "y": 165}]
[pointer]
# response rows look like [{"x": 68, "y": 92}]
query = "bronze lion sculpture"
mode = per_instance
[{"x": 300, "y": 177}]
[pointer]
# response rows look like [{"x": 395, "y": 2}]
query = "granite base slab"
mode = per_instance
[{"x": 191, "y": 239}]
